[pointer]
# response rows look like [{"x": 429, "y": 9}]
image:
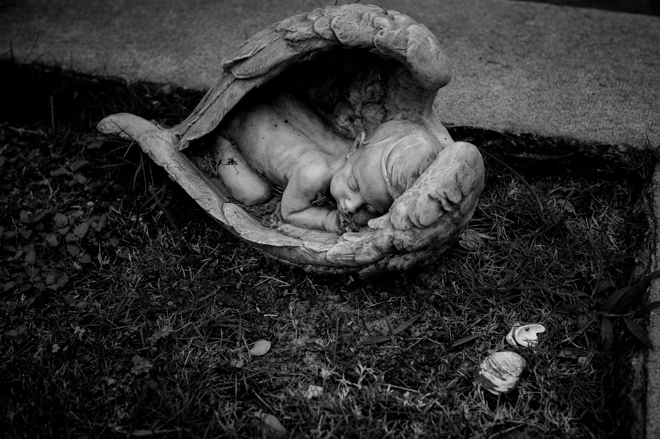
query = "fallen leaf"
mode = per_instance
[
  {"x": 38, "y": 216},
  {"x": 94, "y": 144},
  {"x": 82, "y": 304},
  {"x": 78, "y": 164},
  {"x": 81, "y": 230},
  {"x": 270, "y": 421},
  {"x": 260, "y": 348},
  {"x": 60, "y": 220},
  {"x": 30, "y": 257},
  {"x": 79, "y": 178},
  {"x": 52, "y": 239},
  {"x": 9, "y": 234},
  {"x": 73, "y": 250},
  {"x": 59, "y": 172},
  {"x": 25, "y": 216}
]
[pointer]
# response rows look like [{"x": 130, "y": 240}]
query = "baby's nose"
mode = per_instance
[{"x": 352, "y": 205}]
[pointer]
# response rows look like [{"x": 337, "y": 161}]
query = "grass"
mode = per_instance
[{"x": 126, "y": 311}]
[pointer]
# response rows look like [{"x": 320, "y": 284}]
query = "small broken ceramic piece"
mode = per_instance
[
  {"x": 260, "y": 348},
  {"x": 524, "y": 335},
  {"x": 499, "y": 372}
]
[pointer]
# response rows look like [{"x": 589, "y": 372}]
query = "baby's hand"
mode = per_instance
[
  {"x": 341, "y": 223},
  {"x": 348, "y": 223},
  {"x": 363, "y": 216}
]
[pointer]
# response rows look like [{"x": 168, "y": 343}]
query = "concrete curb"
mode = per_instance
[{"x": 529, "y": 67}]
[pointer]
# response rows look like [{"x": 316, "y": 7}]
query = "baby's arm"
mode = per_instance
[{"x": 304, "y": 186}]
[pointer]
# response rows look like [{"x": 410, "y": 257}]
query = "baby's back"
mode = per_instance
[{"x": 276, "y": 132}]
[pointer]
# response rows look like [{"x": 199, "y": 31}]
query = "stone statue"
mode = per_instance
[{"x": 326, "y": 119}]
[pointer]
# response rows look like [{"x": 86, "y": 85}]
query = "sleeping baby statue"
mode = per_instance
[
  {"x": 280, "y": 141},
  {"x": 331, "y": 114}
]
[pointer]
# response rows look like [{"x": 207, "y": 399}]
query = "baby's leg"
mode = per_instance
[{"x": 244, "y": 184}]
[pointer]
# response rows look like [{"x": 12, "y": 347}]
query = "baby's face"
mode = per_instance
[{"x": 359, "y": 186}]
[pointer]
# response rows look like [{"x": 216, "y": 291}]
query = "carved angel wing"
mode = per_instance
[
  {"x": 410, "y": 91},
  {"x": 359, "y": 66}
]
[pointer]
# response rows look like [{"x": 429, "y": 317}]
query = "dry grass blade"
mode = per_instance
[
  {"x": 408, "y": 323},
  {"x": 464, "y": 340},
  {"x": 399, "y": 329},
  {"x": 375, "y": 340}
]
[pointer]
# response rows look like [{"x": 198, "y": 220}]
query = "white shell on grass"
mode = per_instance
[
  {"x": 524, "y": 335},
  {"x": 260, "y": 348},
  {"x": 499, "y": 372}
]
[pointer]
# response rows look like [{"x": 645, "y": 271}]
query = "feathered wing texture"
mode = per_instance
[
  {"x": 271, "y": 51},
  {"x": 159, "y": 144}
]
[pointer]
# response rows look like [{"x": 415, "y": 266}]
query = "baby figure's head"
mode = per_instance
[{"x": 382, "y": 167}]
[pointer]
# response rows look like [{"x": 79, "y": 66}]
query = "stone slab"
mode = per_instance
[{"x": 586, "y": 74}]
